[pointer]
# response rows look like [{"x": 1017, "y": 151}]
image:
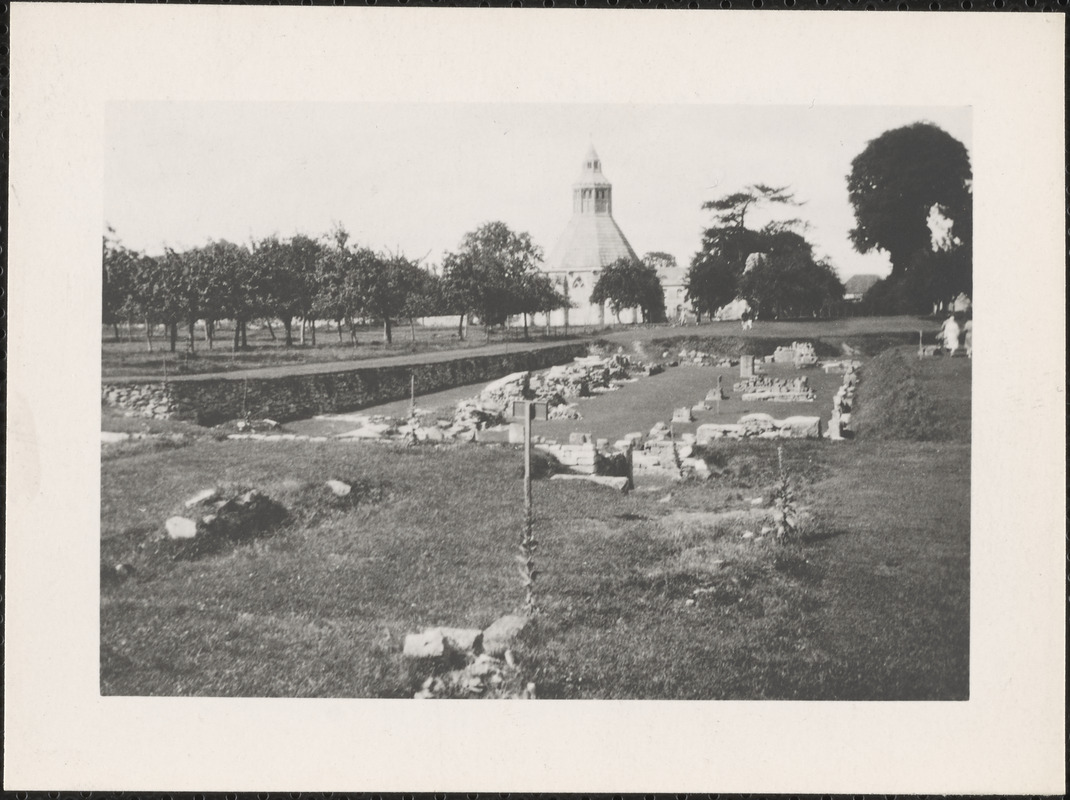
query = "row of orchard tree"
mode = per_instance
[
  {"x": 911, "y": 191},
  {"x": 493, "y": 275}
]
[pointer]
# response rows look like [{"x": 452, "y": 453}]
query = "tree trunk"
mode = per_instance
[
  {"x": 172, "y": 329},
  {"x": 412, "y": 327},
  {"x": 525, "y": 315},
  {"x": 244, "y": 340},
  {"x": 287, "y": 323},
  {"x": 271, "y": 330},
  {"x": 237, "y": 336},
  {"x": 460, "y": 327},
  {"x": 209, "y": 332},
  {"x": 148, "y": 333},
  {"x": 386, "y": 330},
  {"x": 312, "y": 326},
  {"x": 115, "y": 330},
  {"x": 303, "y": 331},
  {"x": 191, "y": 326}
]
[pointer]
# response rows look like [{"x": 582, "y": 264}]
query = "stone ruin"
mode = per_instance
[
  {"x": 842, "y": 405},
  {"x": 703, "y": 359},
  {"x": 800, "y": 354},
  {"x": 213, "y": 517},
  {"x": 469, "y": 662},
  {"x": 484, "y": 418},
  {"x": 783, "y": 390},
  {"x": 761, "y": 426}
]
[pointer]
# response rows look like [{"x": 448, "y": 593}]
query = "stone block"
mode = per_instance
[
  {"x": 698, "y": 466},
  {"x": 709, "y": 431},
  {"x": 802, "y": 427},
  {"x": 499, "y": 433},
  {"x": 203, "y": 496},
  {"x": 516, "y": 433},
  {"x": 682, "y": 415},
  {"x": 579, "y": 438},
  {"x": 746, "y": 366},
  {"x": 503, "y": 633},
  {"x": 463, "y": 640},
  {"x": 619, "y": 483},
  {"x": 429, "y": 644},
  {"x": 339, "y": 488},
  {"x": 643, "y": 460},
  {"x": 180, "y": 527}
]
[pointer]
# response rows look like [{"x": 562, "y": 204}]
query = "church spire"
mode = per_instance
[{"x": 592, "y": 193}]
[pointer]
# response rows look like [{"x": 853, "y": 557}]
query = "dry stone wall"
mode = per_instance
[{"x": 209, "y": 400}]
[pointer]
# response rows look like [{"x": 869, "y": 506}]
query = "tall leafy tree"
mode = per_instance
[
  {"x": 629, "y": 283},
  {"x": 537, "y": 294},
  {"x": 383, "y": 284},
  {"x": 335, "y": 297},
  {"x": 424, "y": 298},
  {"x": 714, "y": 273},
  {"x": 118, "y": 273},
  {"x": 788, "y": 280},
  {"x": 730, "y": 211},
  {"x": 486, "y": 276},
  {"x": 288, "y": 272},
  {"x": 897, "y": 184}
]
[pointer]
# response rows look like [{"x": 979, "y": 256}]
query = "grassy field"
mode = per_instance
[
  {"x": 655, "y": 594},
  {"x": 130, "y": 357}
]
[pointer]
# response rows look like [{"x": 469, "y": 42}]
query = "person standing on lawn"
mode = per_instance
[
  {"x": 949, "y": 331},
  {"x": 967, "y": 335}
]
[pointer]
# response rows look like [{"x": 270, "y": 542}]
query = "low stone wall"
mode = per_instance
[{"x": 211, "y": 399}]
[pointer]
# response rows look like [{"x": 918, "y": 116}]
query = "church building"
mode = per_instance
[{"x": 591, "y": 241}]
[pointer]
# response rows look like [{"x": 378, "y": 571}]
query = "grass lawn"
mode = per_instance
[
  {"x": 129, "y": 357},
  {"x": 873, "y": 605}
]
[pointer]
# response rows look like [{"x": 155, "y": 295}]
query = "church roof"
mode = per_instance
[
  {"x": 589, "y": 241},
  {"x": 860, "y": 284},
  {"x": 591, "y": 174}
]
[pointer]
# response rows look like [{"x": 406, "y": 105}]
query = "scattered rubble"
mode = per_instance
[
  {"x": 471, "y": 663},
  {"x": 761, "y": 426},
  {"x": 782, "y": 390},
  {"x": 800, "y": 354},
  {"x": 842, "y": 404},
  {"x": 218, "y": 517}
]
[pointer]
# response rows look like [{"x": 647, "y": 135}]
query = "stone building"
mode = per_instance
[{"x": 591, "y": 241}]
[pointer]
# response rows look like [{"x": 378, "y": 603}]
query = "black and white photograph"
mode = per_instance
[
  {"x": 482, "y": 415},
  {"x": 620, "y": 362}
]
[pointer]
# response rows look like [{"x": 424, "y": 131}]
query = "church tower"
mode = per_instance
[{"x": 590, "y": 242}]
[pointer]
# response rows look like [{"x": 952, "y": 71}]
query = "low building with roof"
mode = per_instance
[{"x": 857, "y": 285}]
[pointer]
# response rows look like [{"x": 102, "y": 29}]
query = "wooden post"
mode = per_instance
[{"x": 528, "y": 411}]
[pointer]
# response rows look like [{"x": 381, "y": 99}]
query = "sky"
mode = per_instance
[{"x": 414, "y": 178}]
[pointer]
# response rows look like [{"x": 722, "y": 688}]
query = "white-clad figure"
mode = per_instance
[
  {"x": 967, "y": 331},
  {"x": 950, "y": 333}
]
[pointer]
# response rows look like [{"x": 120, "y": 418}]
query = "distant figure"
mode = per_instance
[
  {"x": 746, "y": 319},
  {"x": 967, "y": 332},
  {"x": 949, "y": 331}
]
